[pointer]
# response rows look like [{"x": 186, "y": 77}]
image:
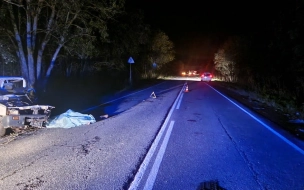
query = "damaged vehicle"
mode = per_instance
[{"x": 18, "y": 108}]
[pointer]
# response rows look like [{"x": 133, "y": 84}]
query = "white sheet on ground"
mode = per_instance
[{"x": 71, "y": 119}]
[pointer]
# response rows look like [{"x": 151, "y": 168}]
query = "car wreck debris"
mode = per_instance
[{"x": 17, "y": 109}]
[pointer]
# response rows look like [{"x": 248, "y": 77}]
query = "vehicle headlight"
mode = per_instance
[{"x": 13, "y": 112}]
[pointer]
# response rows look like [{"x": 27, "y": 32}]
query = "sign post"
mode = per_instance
[{"x": 131, "y": 61}]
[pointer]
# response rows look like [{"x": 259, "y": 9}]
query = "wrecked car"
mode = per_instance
[{"x": 17, "y": 106}]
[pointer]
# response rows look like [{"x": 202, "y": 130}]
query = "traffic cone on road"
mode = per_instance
[{"x": 186, "y": 89}]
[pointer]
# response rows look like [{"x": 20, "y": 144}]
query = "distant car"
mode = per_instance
[{"x": 206, "y": 76}]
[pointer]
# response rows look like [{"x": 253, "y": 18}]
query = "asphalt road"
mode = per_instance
[
  {"x": 173, "y": 140},
  {"x": 211, "y": 142},
  {"x": 103, "y": 155}
]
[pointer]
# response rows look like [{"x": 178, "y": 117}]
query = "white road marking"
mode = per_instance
[
  {"x": 179, "y": 101},
  {"x": 153, "y": 173},
  {"x": 142, "y": 169},
  {"x": 262, "y": 123}
]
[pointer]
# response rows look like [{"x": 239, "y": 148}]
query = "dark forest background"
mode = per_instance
[{"x": 269, "y": 61}]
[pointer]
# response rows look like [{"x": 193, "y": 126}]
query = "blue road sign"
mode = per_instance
[
  {"x": 131, "y": 61},
  {"x": 154, "y": 65}
]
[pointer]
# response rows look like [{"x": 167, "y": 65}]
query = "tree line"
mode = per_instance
[
  {"x": 271, "y": 61},
  {"x": 41, "y": 38}
]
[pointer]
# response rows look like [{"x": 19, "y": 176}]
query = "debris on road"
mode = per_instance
[
  {"x": 104, "y": 116},
  {"x": 18, "y": 107}
]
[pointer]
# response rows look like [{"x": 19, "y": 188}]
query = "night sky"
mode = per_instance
[{"x": 197, "y": 28}]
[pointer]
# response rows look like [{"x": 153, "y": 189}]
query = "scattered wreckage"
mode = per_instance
[{"x": 17, "y": 106}]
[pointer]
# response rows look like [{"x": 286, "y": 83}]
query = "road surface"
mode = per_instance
[{"x": 173, "y": 140}]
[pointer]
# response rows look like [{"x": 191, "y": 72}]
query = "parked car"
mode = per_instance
[
  {"x": 206, "y": 76},
  {"x": 17, "y": 105}
]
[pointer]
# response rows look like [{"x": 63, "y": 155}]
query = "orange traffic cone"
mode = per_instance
[{"x": 186, "y": 90}]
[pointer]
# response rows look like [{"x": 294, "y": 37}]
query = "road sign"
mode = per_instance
[
  {"x": 154, "y": 65},
  {"x": 131, "y": 61}
]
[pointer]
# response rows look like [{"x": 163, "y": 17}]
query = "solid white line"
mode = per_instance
[
  {"x": 262, "y": 123},
  {"x": 179, "y": 101},
  {"x": 139, "y": 175},
  {"x": 153, "y": 173}
]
